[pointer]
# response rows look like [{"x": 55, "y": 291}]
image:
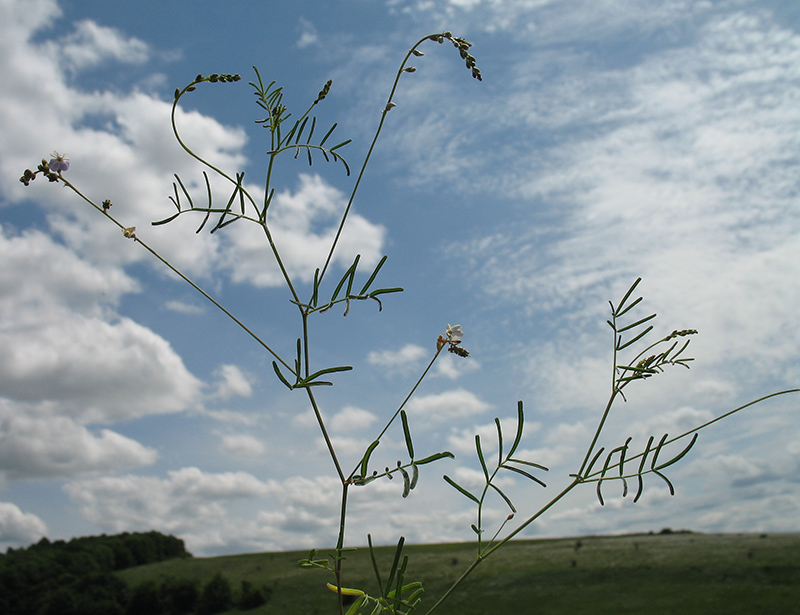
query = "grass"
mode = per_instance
[{"x": 680, "y": 573}]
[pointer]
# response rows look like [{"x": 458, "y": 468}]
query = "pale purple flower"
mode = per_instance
[{"x": 58, "y": 163}]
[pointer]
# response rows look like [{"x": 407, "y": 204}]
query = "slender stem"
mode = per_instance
[
  {"x": 612, "y": 397},
  {"x": 597, "y": 432},
  {"x": 405, "y": 401},
  {"x": 533, "y": 517},
  {"x": 277, "y": 256},
  {"x": 340, "y": 544},
  {"x": 588, "y": 477},
  {"x": 176, "y": 271},
  {"x": 366, "y": 159},
  {"x": 263, "y": 224},
  {"x": 455, "y": 585},
  {"x": 578, "y": 480},
  {"x": 325, "y": 434}
]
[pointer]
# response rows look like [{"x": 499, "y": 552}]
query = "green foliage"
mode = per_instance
[
  {"x": 252, "y": 597},
  {"x": 75, "y": 576},
  {"x": 145, "y": 600},
  {"x": 657, "y": 574},
  {"x": 179, "y": 596},
  {"x": 216, "y": 596}
]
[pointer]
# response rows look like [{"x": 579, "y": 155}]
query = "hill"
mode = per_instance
[{"x": 670, "y": 572}]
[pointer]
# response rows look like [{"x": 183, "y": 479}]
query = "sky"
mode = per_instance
[{"x": 608, "y": 140}]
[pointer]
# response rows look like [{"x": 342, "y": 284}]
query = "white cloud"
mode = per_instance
[
  {"x": 463, "y": 440},
  {"x": 187, "y": 499},
  {"x": 63, "y": 344},
  {"x": 350, "y": 419},
  {"x": 405, "y": 361},
  {"x": 36, "y": 444},
  {"x": 40, "y": 273},
  {"x": 233, "y": 381},
  {"x": 183, "y": 307},
  {"x": 243, "y": 445},
  {"x": 91, "y": 43},
  {"x": 679, "y": 167},
  {"x": 475, "y": 480},
  {"x": 69, "y": 361},
  {"x": 17, "y": 527},
  {"x": 303, "y": 224},
  {"x": 308, "y": 34},
  {"x": 197, "y": 505},
  {"x": 121, "y": 148},
  {"x": 93, "y": 370},
  {"x": 551, "y": 21},
  {"x": 443, "y": 407},
  {"x": 452, "y": 368}
]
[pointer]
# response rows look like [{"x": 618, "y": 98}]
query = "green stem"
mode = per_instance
[
  {"x": 588, "y": 477},
  {"x": 221, "y": 173},
  {"x": 612, "y": 397},
  {"x": 455, "y": 585},
  {"x": 366, "y": 159},
  {"x": 177, "y": 272},
  {"x": 321, "y": 423},
  {"x": 340, "y": 545},
  {"x": 403, "y": 404}
]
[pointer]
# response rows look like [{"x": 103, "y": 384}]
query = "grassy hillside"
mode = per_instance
[{"x": 656, "y": 574}]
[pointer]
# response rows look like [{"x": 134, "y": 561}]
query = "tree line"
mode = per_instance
[{"x": 77, "y": 577}]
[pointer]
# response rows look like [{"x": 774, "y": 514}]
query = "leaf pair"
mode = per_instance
[
  {"x": 616, "y": 458},
  {"x": 346, "y": 284},
  {"x": 308, "y": 381},
  {"x": 409, "y": 479},
  {"x": 504, "y": 462}
]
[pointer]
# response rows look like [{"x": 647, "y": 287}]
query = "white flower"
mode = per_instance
[
  {"x": 454, "y": 333},
  {"x": 58, "y": 163}
]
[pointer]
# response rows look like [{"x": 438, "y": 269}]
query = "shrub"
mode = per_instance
[{"x": 216, "y": 597}]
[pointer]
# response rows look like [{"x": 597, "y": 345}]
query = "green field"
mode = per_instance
[{"x": 681, "y": 573}]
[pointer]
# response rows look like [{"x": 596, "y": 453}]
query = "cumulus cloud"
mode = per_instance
[
  {"x": 64, "y": 345},
  {"x": 350, "y": 419},
  {"x": 243, "y": 445},
  {"x": 89, "y": 44},
  {"x": 188, "y": 498},
  {"x": 69, "y": 361},
  {"x": 443, "y": 407},
  {"x": 48, "y": 446},
  {"x": 405, "y": 360},
  {"x": 233, "y": 381},
  {"x": 304, "y": 224},
  {"x": 17, "y": 527},
  {"x": 122, "y": 148},
  {"x": 69, "y": 357},
  {"x": 197, "y": 506}
]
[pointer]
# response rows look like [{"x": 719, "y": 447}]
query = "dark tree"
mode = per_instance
[
  {"x": 179, "y": 596},
  {"x": 145, "y": 600},
  {"x": 252, "y": 597},
  {"x": 216, "y": 597}
]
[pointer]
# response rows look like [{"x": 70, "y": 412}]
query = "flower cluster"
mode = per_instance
[
  {"x": 463, "y": 48},
  {"x": 324, "y": 91},
  {"x": 51, "y": 170},
  {"x": 212, "y": 78},
  {"x": 681, "y": 333},
  {"x": 452, "y": 338}
]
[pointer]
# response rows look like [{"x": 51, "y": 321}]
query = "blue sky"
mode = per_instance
[{"x": 607, "y": 141}]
